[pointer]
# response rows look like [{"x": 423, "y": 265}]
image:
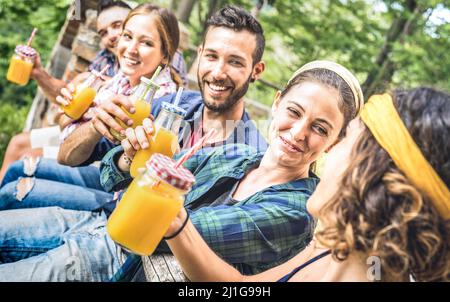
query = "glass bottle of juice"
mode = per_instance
[
  {"x": 84, "y": 96},
  {"x": 150, "y": 204},
  {"x": 165, "y": 138},
  {"x": 141, "y": 98},
  {"x": 21, "y": 65}
]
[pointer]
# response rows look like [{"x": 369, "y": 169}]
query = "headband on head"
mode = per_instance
[
  {"x": 382, "y": 119},
  {"x": 341, "y": 71}
]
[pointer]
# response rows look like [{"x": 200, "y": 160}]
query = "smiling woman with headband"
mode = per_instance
[{"x": 383, "y": 197}]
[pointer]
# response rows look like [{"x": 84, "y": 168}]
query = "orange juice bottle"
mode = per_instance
[
  {"x": 141, "y": 98},
  {"x": 21, "y": 65},
  {"x": 147, "y": 208},
  {"x": 84, "y": 96},
  {"x": 165, "y": 139}
]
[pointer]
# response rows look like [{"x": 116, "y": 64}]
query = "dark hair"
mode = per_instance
[
  {"x": 167, "y": 26},
  {"x": 238, "y": 19},
  {"x": 379, "y": 212},
  {"x": 105, "y": 4},
  {"x": 347, "y": 102}
]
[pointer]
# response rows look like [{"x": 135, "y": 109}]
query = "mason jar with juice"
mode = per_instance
[
  {"x": 150, "y": 204},
  {"x": 165, "y": 138},
  {"x": 141, "y": 99},
  {"x": 84, "y": 95},
  {"x": 21, "y": 64}
]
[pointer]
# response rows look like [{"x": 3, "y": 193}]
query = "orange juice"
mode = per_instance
[
  {"x": 80, "y": 103},
  {"x": 142, "y": 111},
  {"x": 19, "y": 70},
  {"x": 143, "y": 216},
  {"x": 164, "y": 142},
  {"x": 142, "y": 101}
]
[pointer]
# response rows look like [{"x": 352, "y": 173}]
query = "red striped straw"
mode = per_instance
[
  {"x": 104, "y": 69},
  {"x": 189, "y": 153},
  {"x": 195, "y": 147},
  {"x": 99, "y": 74},
  {"x": 30, "y": 39}
]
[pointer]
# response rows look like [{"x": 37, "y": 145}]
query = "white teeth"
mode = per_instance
[
  {"x": 131, "y": 61},
  {"x": 218, "y": 88}
]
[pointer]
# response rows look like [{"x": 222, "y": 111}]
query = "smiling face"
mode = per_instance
[
  {"x": 139, "y": 49},
  {"x": 337, "y": 162},
  {"x": 109, "y": 26},
  {"x": 226, "y": 67},
  {"x": 307, "y": 121}
]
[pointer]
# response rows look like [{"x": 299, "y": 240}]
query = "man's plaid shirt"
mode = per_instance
[{"x": 254, "y": 234}]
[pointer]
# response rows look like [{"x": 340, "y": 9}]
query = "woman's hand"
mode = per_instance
[
  {"x": 177, "y": 223},
  {"x": 106, "y": 113},
  {"x": 138, "y": 138},
  {"x": 66, "y": 95}
]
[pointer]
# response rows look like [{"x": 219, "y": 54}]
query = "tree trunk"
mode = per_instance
[
  {"x": 184, "y": 10},
  {"x": 378, "y": 79}
]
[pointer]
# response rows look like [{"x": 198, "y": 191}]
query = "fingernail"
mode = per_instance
[
  {"x": 132, "y": 110},
  {"x": 130, "y": 123},
  {"x": 123, "y": 132},
  {"x": 145, "y": 145}
]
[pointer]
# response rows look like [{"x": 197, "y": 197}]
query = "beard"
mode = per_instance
[{"x": 220, "y": 107}]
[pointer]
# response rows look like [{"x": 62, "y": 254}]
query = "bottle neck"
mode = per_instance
[
  {"x": 169, "y": 121},
  {"x": 144, "y": 92},
  {"x": 92, "y": 81}
]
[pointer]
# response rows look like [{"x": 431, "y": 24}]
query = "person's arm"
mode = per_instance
[
  {"x": 200, "y": 263},
  {"x": 249, "y": 233},
  {"x": 80, "y": 144},
  {"x": 49, "y": 85}
]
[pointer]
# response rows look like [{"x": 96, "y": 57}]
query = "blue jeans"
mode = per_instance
[
  {"x": 49, "y": 169},
  {"x": 53, "y": 244},
  {"x": 53, "y": 184}
]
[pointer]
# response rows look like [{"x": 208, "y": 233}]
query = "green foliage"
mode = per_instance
[
  {"x": 12, "y": 119},
  {"x": 17, "y": 19}
]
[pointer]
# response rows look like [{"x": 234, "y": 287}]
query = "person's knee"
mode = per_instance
[
  {"x": 14, "y": 192},
  {"x": 15, "y": 170},
  {"x": 21, "y": 168},
  {"x": 20, "y": 142}
]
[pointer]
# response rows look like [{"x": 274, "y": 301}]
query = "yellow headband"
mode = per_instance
[
  {"x": 381, "y": 117},
  {"x": 341, "y": 71}
]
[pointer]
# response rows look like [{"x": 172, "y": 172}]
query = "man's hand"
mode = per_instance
[
  {"x": 138, "y": 138},
  {"x": 37, "y": 67}
]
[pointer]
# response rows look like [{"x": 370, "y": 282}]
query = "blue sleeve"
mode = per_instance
[
  {"x": 111, "y": 178},
  {"x": 100, "y": 150}
]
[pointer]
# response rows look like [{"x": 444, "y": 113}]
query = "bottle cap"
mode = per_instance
[
  {"x": 173, "y": 109},
  {"x": 165, "y": 168},
  {"x": 26, "y": 51}
]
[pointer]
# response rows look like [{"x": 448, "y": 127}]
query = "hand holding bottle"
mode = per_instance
[
  {"x": 138, "y": 138},
  {"x": 108, "y": 111}
]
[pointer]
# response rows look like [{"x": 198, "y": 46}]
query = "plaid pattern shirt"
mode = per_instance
[
  {"x": 120, "y": 84},
  {"x": 255, "y": 234},
  {"x": 105, "y": 57}
]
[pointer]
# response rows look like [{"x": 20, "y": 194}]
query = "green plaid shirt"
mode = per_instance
[{"x": 255, "y": 234}]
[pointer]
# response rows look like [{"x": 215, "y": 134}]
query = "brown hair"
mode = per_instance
[
  {"x": 378, "y": 212},
  {"x": 167, "y": 26},
  {"x": 347, "y": 102}
]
